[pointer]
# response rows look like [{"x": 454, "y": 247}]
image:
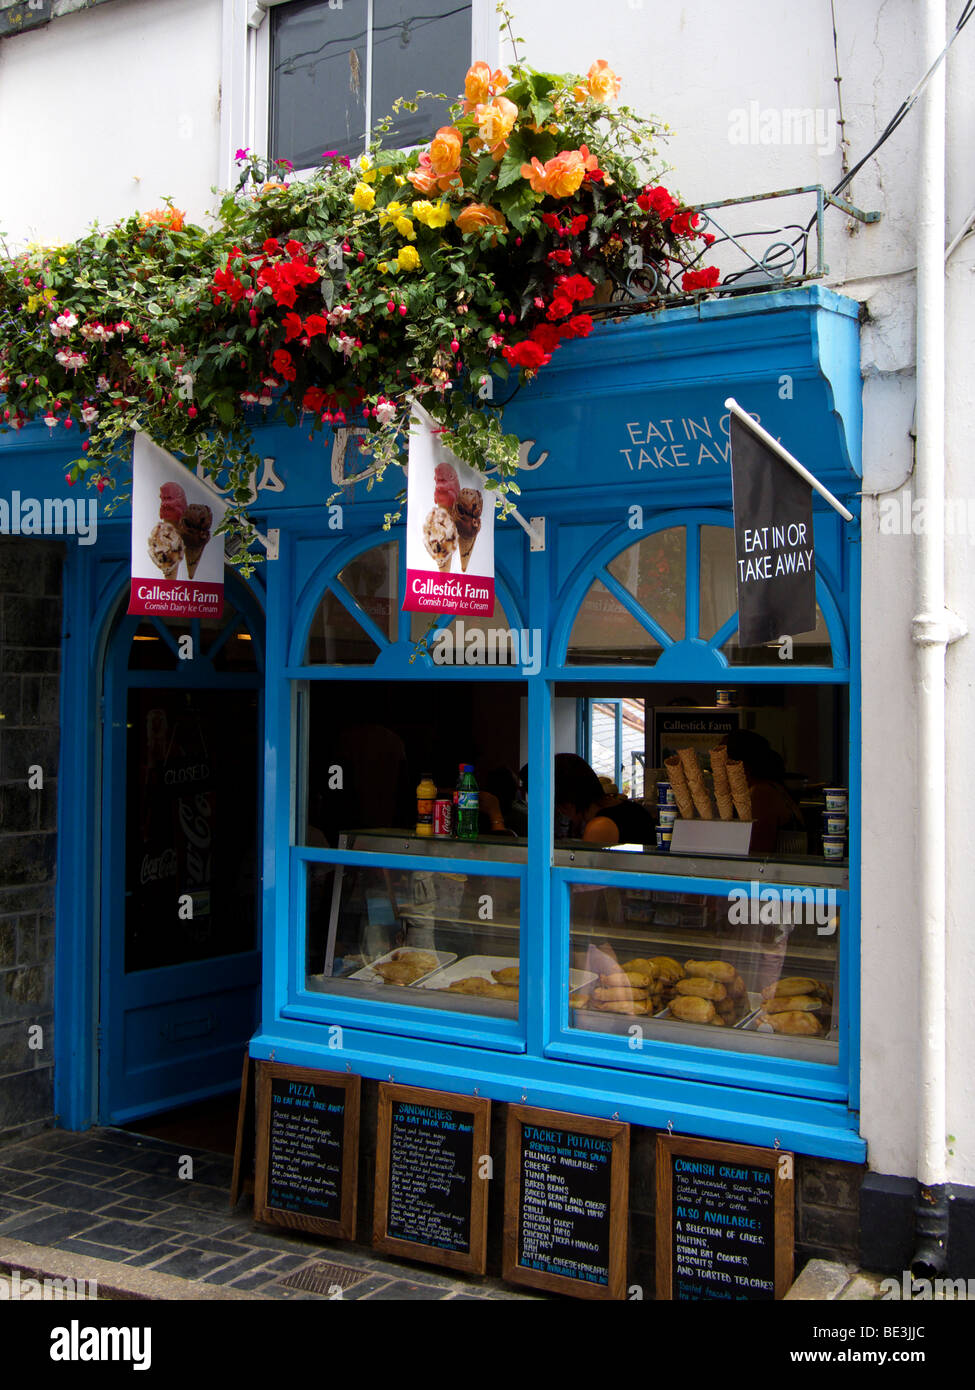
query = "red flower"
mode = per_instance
[
  {"x": 702, "y": 279},
  {"x": 547, "y": 336},
  {"x": 560, "y": 257},
  {"x": 315, "y": 324},
  {"x": 527, "y": 354},
  {"x": 682, "y": 222},
  {"x": 560, "y": 306},
  {"x": 657, "y": 200},
  {"x": 578, "y": 224},
  {"x": 707, "y": 238},
  {"x": 294, "y": 248},
  {"x": 226, "y": 281},
  {"x": 292, "y": 326},
  {"x": 272, "y": 247},
  {"x": 314, "y": 399},
  {"x": 551, "y": 220},
  {"x": 579, "y": 287},
  {"x": 281, "y": 362},
  {"x": 579, "y": 326}
]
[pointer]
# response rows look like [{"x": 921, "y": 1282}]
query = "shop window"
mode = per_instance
[
  {"x": 711, "y": 969},
  {"x": 225, "y": 643},
  {"x": 468, "y": 641},
  {"x": 639, "y": 604},
  {"x": 336, "y": 70},
  {"x": 653, "y": 571},
  {"x": 606, "y": 633},
  {"x": 357, "y": 611}
]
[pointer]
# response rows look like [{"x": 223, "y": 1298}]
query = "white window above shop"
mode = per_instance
[{"x": 301, "y": 77}]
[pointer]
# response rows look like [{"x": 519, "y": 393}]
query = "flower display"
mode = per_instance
[{"x": 337, "y": 299}]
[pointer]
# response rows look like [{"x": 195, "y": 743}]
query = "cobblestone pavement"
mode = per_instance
[{"x": 116, "y": 1196}]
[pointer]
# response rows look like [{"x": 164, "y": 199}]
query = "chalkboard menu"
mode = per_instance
[
  {"x": 307, "y": 1148},
  {"x": 565, "y": 1202},
  {"x": 432, "y": 1171},
  {"x": 724, "y": 1221}
]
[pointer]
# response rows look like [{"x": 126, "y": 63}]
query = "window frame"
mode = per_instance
[{"x": 246, "y": 74}]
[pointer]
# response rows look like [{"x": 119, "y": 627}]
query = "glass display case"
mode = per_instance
[
  {"x": 428, "y": 937},
  {"x": 749, "y": 966}
]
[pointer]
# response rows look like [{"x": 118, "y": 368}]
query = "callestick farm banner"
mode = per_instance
[
  {"x": 177, "y": 562},
  {"x": 775, "y": 559},
  {"x": 449, "y": 528}
]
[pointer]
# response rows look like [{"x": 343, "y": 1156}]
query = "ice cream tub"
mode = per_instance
[
  {"x": 664, "y": 838},
  {"x": 833, "y": 846},
  {"x": 668, "y": 814},
  {"x": 665, "y": 794},
  {"x": 834, "y": 822},
  {"x": 836, "y": 799}
]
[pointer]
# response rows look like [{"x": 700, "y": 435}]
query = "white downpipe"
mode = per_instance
[{"x": 931, "y": 627}]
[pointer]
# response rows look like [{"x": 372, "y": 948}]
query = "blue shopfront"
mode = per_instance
[{"x": 286, "y": 750}]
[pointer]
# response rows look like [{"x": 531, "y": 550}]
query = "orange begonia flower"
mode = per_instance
[
  {"x": 445, "y": 150},
  {"x": 478, "y": 217},
  {"x": 535, "y": 174},
  {"x": 494, "y": 124},
  {"x": 602, "y": 84},
  {"x": 163, "y": 217}
]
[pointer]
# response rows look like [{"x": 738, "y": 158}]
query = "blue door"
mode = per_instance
[{"x": 180, "y": 884}]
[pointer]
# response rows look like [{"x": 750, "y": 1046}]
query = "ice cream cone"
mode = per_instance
[
  {"x": 193, "y": 554},
  {"x": 443, "y": 564},
  {"x": 171, "y": 572},
  {"x": 465, "y": 547}
]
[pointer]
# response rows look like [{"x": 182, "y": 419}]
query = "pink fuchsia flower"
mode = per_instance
[
  {"x": 102, "y": 384},
  {"x": 89, "y": 415},
  {"x": 342, "y": 343},
  {"x": 50, "y": 421},
  {"x": 248, "y": 397},
  {"x": 242, "y": 154},
  {"x": 385, "y": 411},
  {"x": 123, "y": 327}
]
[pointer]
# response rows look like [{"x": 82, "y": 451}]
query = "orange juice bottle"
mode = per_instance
[{"x": 426, "y": 795}]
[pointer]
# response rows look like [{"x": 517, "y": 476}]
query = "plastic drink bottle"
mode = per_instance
[
  {"x": 465, "y": 803},
  {"x": 426, "y": 794}
]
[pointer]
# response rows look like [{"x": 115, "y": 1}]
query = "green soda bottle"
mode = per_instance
[{"x": 465, "y": 803}]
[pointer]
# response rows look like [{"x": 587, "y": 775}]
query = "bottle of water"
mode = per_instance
[{"x": 465, "y": 803}]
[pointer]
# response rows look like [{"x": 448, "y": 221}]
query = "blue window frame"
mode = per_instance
[{"x": 692, "y": 645}]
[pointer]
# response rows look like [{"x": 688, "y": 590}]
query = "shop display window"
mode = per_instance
[
  {"x": 747, "y": 968},
  {"x": 429, "y": 938}
]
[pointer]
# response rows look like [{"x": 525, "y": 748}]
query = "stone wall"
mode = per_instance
[{"x": 30, "y": 642}]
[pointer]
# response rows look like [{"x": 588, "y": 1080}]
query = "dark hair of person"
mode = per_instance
[
  {"x": 503, "y": 783},
  {"x": 575, "y": 783},
  {"x": 761, "y": 761}
]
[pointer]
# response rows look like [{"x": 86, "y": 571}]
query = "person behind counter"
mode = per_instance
[
  {"x": 592, "y": 814},
  {"x": 773, "y": 809}
]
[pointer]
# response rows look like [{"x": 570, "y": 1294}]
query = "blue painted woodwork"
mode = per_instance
[{"x": 632, "y": 416}]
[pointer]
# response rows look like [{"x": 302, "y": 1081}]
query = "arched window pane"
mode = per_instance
[
  {"x": 371, "y": 579},
  {"x": 336, "y": 639},
  {"x": 653, "y": 572},
  {"x": 480, "y": 641},
  {"x": 605, "y": 633},
  {"x": 808, "y": 649},
  {"x": 719, "y": 597}
]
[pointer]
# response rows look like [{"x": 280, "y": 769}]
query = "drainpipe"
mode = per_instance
[{"x": 933, "y": 629}]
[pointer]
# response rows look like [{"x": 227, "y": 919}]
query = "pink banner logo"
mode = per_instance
[
  {"x": 175, "y": 598},
  {"x": 428, "y": 591}
]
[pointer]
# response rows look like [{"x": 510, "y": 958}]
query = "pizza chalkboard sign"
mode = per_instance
[
  {"x": 431, "y": 1177},
  {"x": 565, "y": 1204},
  {"x": 307, "y": 1149},
  {"x": 724, "y": 1221}
]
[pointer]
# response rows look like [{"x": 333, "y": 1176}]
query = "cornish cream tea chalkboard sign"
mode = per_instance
[
  {"x": 307, "y": 1149},
  {"x": 432, "y": 1172},
  {"x": 724, "y": 1221},
  {"x": 565, "y": 1204}
]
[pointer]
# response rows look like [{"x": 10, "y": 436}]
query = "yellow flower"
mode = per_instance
[
  {"x": 405, "y": 228},
  {"x": 367, "y": 172},
  {"x": 363, "y": 197},
  {"x": 383, "y": 267},
  {"x": 408, "y": 258},
  {"x": 430, "y": 214},
  {"x": 399, "y": 180}
]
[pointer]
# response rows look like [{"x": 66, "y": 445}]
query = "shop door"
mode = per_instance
[{"x": 180, "y": 964}]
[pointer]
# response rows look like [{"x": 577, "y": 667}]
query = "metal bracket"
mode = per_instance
[
  {"x": 937, "y": 630},
  {"x": 534, "y": 529},
  {"x": 271, "y": 542}
]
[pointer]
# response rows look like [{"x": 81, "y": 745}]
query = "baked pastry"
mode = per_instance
[
  {"x": 799, "y": 1024},
  {"x": 507, "y": 976},
  {"x": 693, "y": 1009},
  {"x": 718, "y": 970},
  {"x": 702, "y": 988},
  {"x": 799, "y": 1003}
]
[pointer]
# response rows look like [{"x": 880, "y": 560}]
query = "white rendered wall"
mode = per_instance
[
  {"x": 105, "y": 112},
  {"x": 131, "y": 88}
]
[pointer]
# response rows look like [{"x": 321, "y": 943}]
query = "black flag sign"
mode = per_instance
[{"x": 775, "y": 562}]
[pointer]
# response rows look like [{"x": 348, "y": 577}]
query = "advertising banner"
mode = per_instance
[
  {"x": 177, "y": 563},
  {"x": 449, "y": 529},
  {"x": 774, "y": 555}
]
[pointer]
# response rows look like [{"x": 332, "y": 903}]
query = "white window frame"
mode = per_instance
[{"x": 245, "y": 89}]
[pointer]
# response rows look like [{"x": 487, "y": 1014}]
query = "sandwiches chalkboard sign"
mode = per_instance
[
  {"x": 724, "y": 1221},
  {"x": 565, "y": 1207},
  {"x": 432, "y": 1173},
  {"x": 307, "y": 1149}
]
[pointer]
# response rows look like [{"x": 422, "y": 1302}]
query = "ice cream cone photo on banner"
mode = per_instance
[
  {"x": 449, "y": 528},
  {"x": 177, "y": 562}
]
